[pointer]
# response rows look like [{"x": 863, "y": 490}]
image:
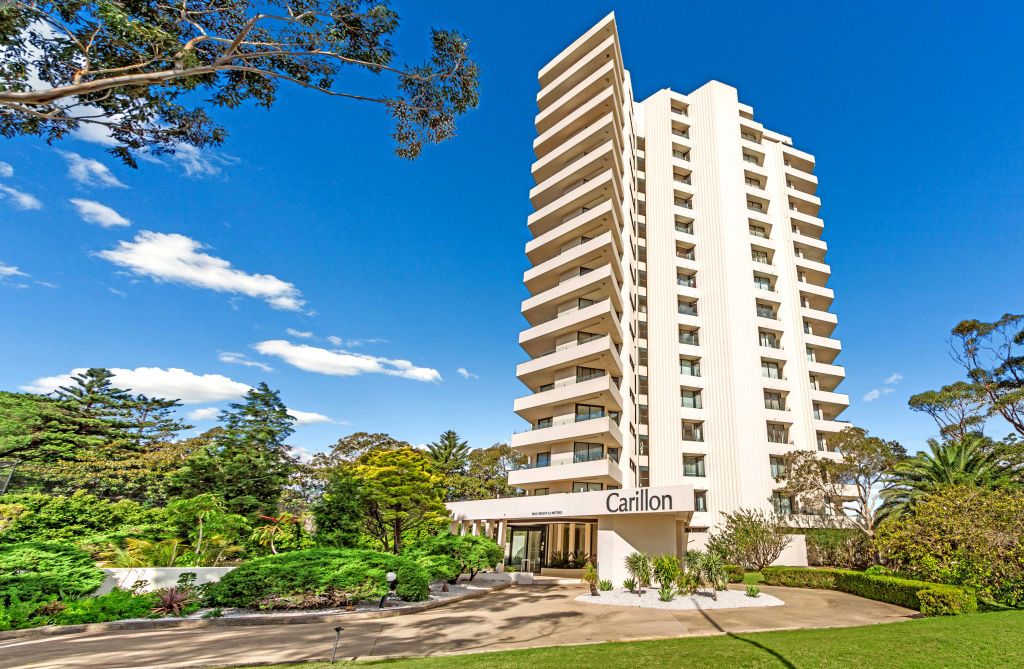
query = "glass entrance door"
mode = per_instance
[{"x": 527, "y": 548}]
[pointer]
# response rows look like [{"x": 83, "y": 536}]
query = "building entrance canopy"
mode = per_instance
[{"x": 676, "y": 499}]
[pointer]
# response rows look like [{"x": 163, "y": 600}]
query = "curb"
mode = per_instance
[{"x": 245, "y": 621}]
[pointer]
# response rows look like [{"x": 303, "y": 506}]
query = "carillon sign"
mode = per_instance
[{"x": 663, "y": 499}]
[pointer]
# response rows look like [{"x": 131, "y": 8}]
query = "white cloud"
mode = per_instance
[
  {"x": 95, "y": 133},
  {"x": 342, "y": 363},
  {"x": 6, "y": 170},
  {"x": 46, "y": 284},
  {"x": 89, "y": 172},
  {"x": 466, "y": 374},
  {"x": 100, "y": 214},
  {"x": 307, "y": 417},
  {"x": 176, "y": 259},
  {"x": 20, "y": 199},
  {"x": 872, "y": 395},
  {"x": 352, "y": 343},
  {"x": 894, "y": 379},
  {"x": 296, "y": 333},
  {"x": 201, "y": 162},
  {"x": 172, "y": 383},
  {"x": 208, "y": 413},
  {"x": 240, "y": 359},
  {"x": 8, "y": 270}
]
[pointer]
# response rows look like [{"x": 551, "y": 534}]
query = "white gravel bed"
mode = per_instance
[{"x": 727, "y": 599}]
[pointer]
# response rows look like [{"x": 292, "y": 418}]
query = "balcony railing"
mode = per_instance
[
  {"x": 685, "y": 204},
  {"x": 688, "y": 228},
  {"x": 569, "y": 421},
  {"x": 579, "y": 342},
  {"x": 570, "y": 311}
]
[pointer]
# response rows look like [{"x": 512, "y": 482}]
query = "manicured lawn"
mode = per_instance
[
  {"x": 979, "y": 640},
  {"x": 753, "y": 577}
]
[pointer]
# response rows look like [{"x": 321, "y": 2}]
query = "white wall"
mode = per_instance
[{"x": 157, "y": 577}]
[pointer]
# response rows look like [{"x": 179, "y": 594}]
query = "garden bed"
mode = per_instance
[{"x": 727, "y": 599}]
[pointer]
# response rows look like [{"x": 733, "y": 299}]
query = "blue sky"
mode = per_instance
[{"x": 914, "y": 117}]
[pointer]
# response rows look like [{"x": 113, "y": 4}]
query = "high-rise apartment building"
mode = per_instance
[{"x": 679, "y": 333}]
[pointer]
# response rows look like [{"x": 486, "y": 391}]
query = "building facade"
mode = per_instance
[{"x": 679, "y": 332}]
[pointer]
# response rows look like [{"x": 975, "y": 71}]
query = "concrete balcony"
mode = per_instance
[
  {"x": 693, "y": 415},
  {"x": 806, "y": 219},
  {"x": 829, "y": 401},
  {"x": 582, "y": 49},
  {"x": 828, "y": 375},
  {"x": 816, "y": 272},
  {"x": 605, "y": 471},
  {"x": 600, "y": 353},
  {"x": 779, "y": 415},
  {"x": 601, "y": 53},
  {"x": 596, "y": 252},
  {"x": 775, "y": 384},
  {"x": 604, "y": 217},
  {"x": 574, "y": 203},
  {"x": 604, "y": 77},
  {"x": 596, "y": 429},
  {"x": 598, "y": 318},
  {"x": 830, "y": 426},
  {"x": 601, "y": 158},
  {"x": 607, "y": 102},
  {"x": 810, "y": 242},
  {"x": 601, "y": 281},
  {"x": 601, "y": 130},
  {"x": 601, "y": 391},
  {"x": 826, "y": 348},
  {"x": 798, "y": 160},
  {"x": 816, "y": 290}
]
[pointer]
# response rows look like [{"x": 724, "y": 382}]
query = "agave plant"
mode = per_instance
[
  {"x": 666, "y": 593},
  {"x": 712, "y": 570},
  {"x": 638, "y": 565},
  {"x": 591, "y": 578}
]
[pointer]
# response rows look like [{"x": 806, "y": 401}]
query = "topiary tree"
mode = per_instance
[
  {"x": 34, "y": 571},
  {"x": 471, "y": 553},
  {"x": 751, "y": 538}
]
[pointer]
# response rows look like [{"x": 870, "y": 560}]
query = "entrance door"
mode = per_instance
[{"x": 527, "y": 548}]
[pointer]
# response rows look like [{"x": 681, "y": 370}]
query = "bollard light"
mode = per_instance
[
  {"x": 337, "y": 635},
  {"x": 391, "y": 578}
]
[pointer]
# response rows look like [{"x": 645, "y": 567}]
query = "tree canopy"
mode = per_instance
[{"x": 149, "y": 70}]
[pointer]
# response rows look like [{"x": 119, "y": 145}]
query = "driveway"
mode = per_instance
[{"x": 519, "y": 617}]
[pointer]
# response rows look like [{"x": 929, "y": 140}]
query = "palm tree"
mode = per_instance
[
  {"x": 960, "y": 462},
  {"x": 638, "y": 566},
  {"x": 591, "y": 578},
  {"x": 711, "y": 568},
  {"x": 448, "y": 454}
]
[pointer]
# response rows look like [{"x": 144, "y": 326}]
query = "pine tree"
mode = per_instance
[
  {"x": 101, "y": 409},
  {"x": 448, "y": 455},
  {"x": 152, "y": 420}
]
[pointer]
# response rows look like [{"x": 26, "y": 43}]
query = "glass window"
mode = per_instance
[
  {"x": 773, "y": 401},
  {"x": 689, "y": 367},
  {"x": 688, "y": 308},
  {"x": 768, "y": 339},
  {"x": 684, "y": 227},
  {"x": 641, "y": 385},
  {"x": 814, "y": 382},
  {"x": 766, "y": 311},
  {"x": 810, "y": 354},
  {"x": 643, "y": 445},
  {"x": 644, "y": 477},
  {"x": 687, "y": 280},
  {"x": 642, "y": 414},
  {"x": 685, "y": 254},
  {"x": 693, "y": 431},
  {"x": 693, "y": 465},
  {"x": 754, "y": 206},
  {"x": 776, "y": 433},
  {"x": 692, "y": 399},
  {"x": 748, "y": 158},
  {"x": 758, "y": 231},
  {"x": 543, "y": 459},
  {"x": 822, "y": 444},
  {"x": 807, "y": 328},
  {"x": 756, "y": 183},
  {"x": 587, "y": 373},
  {"x": 586, "y": 486},
  {"x": 689, "y": 337},
  {"x": 643, "y": 356},
  {"x": 783, "y": 505},
  {"x": 541, "y": 491},
  {"x": 584, "y": 337},
  {"x": 770, "y": 370},
  {"x": 613, "y": 454},
  {"x": 586, "y": 452},
  {"x": 762, "y": 282},
  {"x": 700, "y": 500},
  {"x": 759, "y": 256},
  {"x": 544, "y": 422},
  {"x": 817, "y": 412},
  {"x": 777, "y": 465}
]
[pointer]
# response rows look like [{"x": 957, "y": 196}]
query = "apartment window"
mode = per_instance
[
  {"x": 822, "y": 444},
  {"x": 542, "y": 460},
  {"x": 643, "y": 445},
  {"x": 758, "y": 231},
  {"x": 588, "y": 412},
  {"x": 801, "y": 276},
  {"x": 642, "y": 329},
  {"x": 689, "y": 367},
  {"x": 681, "y": 155},
  {"x": 807, "y": 328},
  {"x": 810, "y": 354},
  {"x": 613, "y": 454},
  {"x": 692, "y": 399},
  {"x": 681, "y": 133},
  {"x": 804, "y": 302},
  {"x": 688, "y": 308},
  {"x": 747, "y": 136},
  {"x": 776, "y": 433},
  {"x": 762, "y": 282},
  {"x": 693, "y": 465},
  {"x": 689, "y": 337},
  {"x": 777, "y": 466},
  {"x": 766, "y": 311},
  {"x": 782, "y": 503},
  {"x": 585, "y": 302},
  {"x": 643, "y": 279},
  {"x": 829, "y": 509},
  {"x": 644, "y": 477},
  {"x": 700, "y": 500},
  {"x": 587, "y": 373},
  {"x": 687, "y": 280},
  {"x": 754, "y": 206},
  {"x": 770, "y": 370},
  {"x": 685, "y": 254},
  {"x": 546, "y": 386},
  {"x": 678, "y": 110},
  {"x": 768, "y": 339},
  {"x": 750, "y": 158},
  {"x": 818, "y": 415},
  {"x": 681, "y": 178},
  {"x": 642, "y": 385},
  {"x": 641, "y": 254},
  {"x": 541, "y": 491},
  {"x": 586, "y": 270},
  {"x": 585, "y": 452},
  {"x": 814, "y": 382},
  {"x": 759, "y": 256},
  {"x": 642, "y": 353},
  {"x": 693, "y": 431},
  {"x": 586, "y": 486},
  {"x": 773, "y": 401},
  {"x": 642, "y": 416},
  {"x": 684, "y": 227},
  {"x": 751, "y": 181},
  {"x": 684, "y": 203},
  {"x": 544, "y": 422}
]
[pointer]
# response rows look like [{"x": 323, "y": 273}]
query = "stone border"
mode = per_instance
[{"x": 241, "y": 621}]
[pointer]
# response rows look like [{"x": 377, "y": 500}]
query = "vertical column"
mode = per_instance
[
  {"x": 475, "y": 528},
  {"x": 501, "y": 538},
  {"x": 588, "y": 539},
  {"x": 572, "y": 539}
]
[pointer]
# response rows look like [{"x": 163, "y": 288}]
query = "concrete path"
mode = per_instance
[{"x": 520, "y": 617}]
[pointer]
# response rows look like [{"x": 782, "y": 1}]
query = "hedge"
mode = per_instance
[
  {"x": 319, "y": 577},
  {"x": 734, "y": 573},
  {"x": 34, "y": 571},
  {"x": 931, "y": 599}
]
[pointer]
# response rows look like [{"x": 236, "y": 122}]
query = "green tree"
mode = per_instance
[
  {"x": 209, "y": 525},
  {"x": 310, "y": 480},
  {"x": 152, "y": 420},
  {"x": 486, "y": 474},
  {"x": 958, "y": 409},
  {"x": 403, "y": 495},
  {"x": 339, "y": 513},
  {"x": 36, "y": 428},
  {"x": 249, "y": 463},
  {"x": 853, "y": 482},
  {"x": 137, "y": 67},
  {"x": 471, "y": 553},
  {"x": 963, "y": 462},
  {"x": 101, "y": 408},
  {"x": 751, "y": 538},
  {"x": 993, "y": 355},
  {"x": 449, "y": 455}
]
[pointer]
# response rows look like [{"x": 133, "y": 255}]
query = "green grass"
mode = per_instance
[
  {"x": 978, "y": 640},
  {"x": 753, "y": 578}
]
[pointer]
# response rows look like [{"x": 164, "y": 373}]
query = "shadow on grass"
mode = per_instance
[{"x": 778, "y": 656}]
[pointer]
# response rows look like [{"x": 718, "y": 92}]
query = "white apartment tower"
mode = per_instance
[{"x": 679, "y": 331}]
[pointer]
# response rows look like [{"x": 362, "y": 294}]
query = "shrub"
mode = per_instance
[
  {"x": 604, "y": 585},
  {"x": 34, "y": 571},
  {"x": 470, "y": 553},
  {"x": 175, "y": 601},
  {"x": 319, "y": 577},
  {"x": 687, "y": 582},
  {"x": 639, "y": 567},
  {"x": 666, "y": 569},
  {"x": 17, "y": 614},
  {"x": 878, "y": 570},
  {"x": 962, "y": 535},
  {"x": 898, "y": 591},
  {"x": 82, "y": 518},
  {"x": 833, "y": 547},
  {"x": 750, "y": 537},
  {"x": 947, "y": 602},
  {"x": 115, "y": 605},
  {"x": 734, "y": 573},
  {"x": 629, "y": 584},
  {"x": 666, "y": 593},
  {"x": 753, "y": 591}
]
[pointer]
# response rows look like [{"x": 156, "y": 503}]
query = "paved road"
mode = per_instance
[{"x": 515, "y": 618}]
